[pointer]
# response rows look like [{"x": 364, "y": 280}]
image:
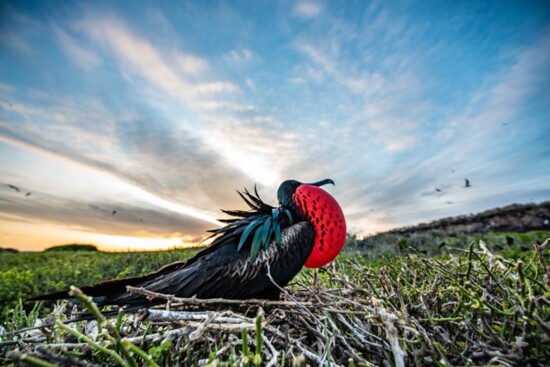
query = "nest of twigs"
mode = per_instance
[{"x": 474, "y": 308}]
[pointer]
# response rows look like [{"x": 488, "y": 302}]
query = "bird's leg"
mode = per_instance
[{"x": 314, "y": 285}]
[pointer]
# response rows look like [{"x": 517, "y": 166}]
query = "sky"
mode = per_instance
[{"x": 130, "y": 124}]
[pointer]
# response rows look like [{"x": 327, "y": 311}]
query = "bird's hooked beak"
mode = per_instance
[{"x": 321, "y": 183}]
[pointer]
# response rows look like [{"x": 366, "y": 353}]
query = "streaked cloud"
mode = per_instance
[
  {"x": 80, "y": 54},
  {"x": 239, "y": 55},
  {"x": 16, "y": 29},
  {"x": 402, "y": 143},
  {"x": 15, "y": 42},
  {"x": 307, "y": 9},
  {"x": 216, "y": 105},
  {"x": 137, "y": 55},
  {"x": 190, "y": 64},
  {"x": 250, "y": 83},
  {"x": 215, "y": 87}
]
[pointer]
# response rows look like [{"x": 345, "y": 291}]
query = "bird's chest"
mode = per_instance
[{"x": 327, "y": 218}]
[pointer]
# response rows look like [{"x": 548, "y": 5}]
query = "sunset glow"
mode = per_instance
[{"x": 37, "y": 236}]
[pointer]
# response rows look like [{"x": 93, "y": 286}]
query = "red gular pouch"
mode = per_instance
[{"x": 328, "y": 220}]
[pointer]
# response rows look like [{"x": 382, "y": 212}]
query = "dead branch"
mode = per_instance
[{"x": 213, "y": 301}]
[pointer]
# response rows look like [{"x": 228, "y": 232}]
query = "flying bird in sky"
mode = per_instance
[
  {"x": 308, "y": 228},
  {"x": 14, "y": 187}
]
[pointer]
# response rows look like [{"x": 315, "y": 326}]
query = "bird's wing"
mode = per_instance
[
  {"x": 220, "y": 270},
  {"x": 228, "y": 273}
]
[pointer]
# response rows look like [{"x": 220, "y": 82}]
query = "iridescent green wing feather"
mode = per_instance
[{"x": 255, "y": 228}]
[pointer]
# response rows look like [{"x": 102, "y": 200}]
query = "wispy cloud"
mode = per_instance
[
  {"x": 191, "y": 64},
  {"x": 250, "y": 83},
  {"x": 319, "y": 56},
  {"x": 217, "y": 105},
  {"x": 507, "y": 92},
  {"x": 215, "y": 87},
  {"x": 82, "y": 56},
  {"x": 307, "y": 9},
  {"x": 402, "y": 143},
  {"x": 16, "y": 29},
  {"x": 15, "y": 42},
  {"x": 139, "y": 57},
  {"x": 239, "y": 55},
  {"x": 388, "y": 101}
]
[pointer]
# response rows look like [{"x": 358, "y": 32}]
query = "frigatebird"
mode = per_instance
[
  {"x": 253, "y": 250},
  {"x": 14, "y": 187}
]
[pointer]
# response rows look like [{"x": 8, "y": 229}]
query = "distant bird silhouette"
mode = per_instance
[
  {"x": 254, "y": 250},
  {"x": 14, "y": 187},
  {"x": 467, "y": 183},
  {"x": 28, "y": 194},
  {"x": 449, "y": 202},
  {"x": 437, "y": 189},
  {"x": 114, "y": 212}
]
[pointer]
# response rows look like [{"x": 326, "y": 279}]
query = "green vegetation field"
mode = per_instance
[
  {"x": 27, "y": 274},
  {"x": 404, "y": 301}
]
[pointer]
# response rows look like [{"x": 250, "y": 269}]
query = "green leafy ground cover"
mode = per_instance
[
  {"x": 469, "y": 306},
  {"x": 27, "y": 274},
  {"x": 437, "y": 242}
]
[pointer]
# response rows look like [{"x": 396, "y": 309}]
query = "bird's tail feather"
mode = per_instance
[
  {"x": 99, "y": 291},
  {"x": 103, "y": 291}
]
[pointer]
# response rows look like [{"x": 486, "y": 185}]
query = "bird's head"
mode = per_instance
[
  {"x": 288, "y": 188},
  {"x": 318, "y": 207}
]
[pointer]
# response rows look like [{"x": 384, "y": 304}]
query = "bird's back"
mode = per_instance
[{"x": 226, "y": 272}]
